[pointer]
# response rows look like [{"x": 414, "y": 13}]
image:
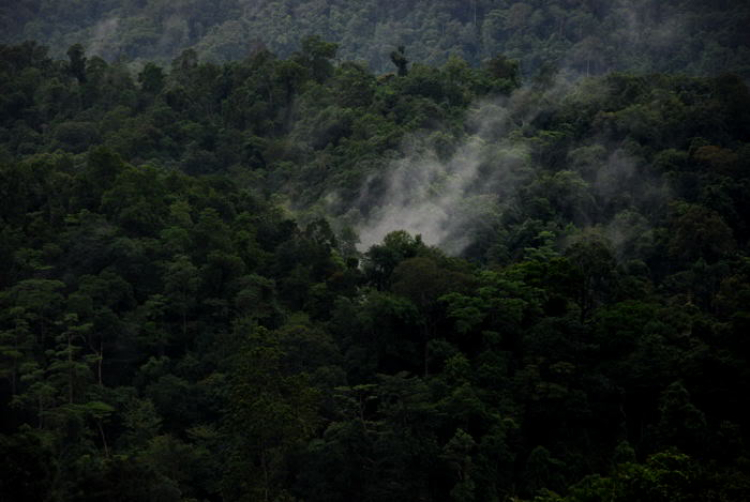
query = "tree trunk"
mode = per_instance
[
  {"x": 101, "y": 361},
  {"x": 70, "y": 371},
  {"x": 104, "y": 438}
]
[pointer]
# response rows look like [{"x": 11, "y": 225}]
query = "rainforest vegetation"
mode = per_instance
[
  {"x": 689, "y": 36},
  {"x": 222, "y": 277}
]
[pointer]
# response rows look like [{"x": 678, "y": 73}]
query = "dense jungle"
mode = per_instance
[{"x": 324, "y": 251}]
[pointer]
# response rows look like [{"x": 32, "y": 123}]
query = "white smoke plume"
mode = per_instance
[
  {"x": 450, "y": 199},
  {"x": 441, "y": 199},
  {"x": 104, "y": 37}
]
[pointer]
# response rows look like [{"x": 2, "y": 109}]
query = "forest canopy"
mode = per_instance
[
  {"x": 590, "y": 36},
  {"x": 374, "y": 266}
]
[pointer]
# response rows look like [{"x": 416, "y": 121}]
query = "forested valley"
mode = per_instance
[{"x": 279, "y": 274}]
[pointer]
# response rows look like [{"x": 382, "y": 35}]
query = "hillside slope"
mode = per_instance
[{"x": 592, "y": 37}]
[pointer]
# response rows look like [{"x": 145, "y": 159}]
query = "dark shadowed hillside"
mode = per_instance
[
  {"x": 590, "y": 36},
  {"x": 265, "y": 272}
]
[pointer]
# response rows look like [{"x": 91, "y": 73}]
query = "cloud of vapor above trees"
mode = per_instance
[
  {"x": 441, "y": 197},
  {"x": 446, "y": 197},
  {"x": 450, "y": 199}
]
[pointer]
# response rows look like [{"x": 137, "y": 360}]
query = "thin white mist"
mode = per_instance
[
  {"x": 104, "y": 37},
  {"x": 442, "y": 199},
  {"x": 422, "y": 195},
  {"x": 450, "y": 200}
]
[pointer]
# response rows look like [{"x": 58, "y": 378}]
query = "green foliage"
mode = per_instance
[
  {"x": 271, "y": 413},
  {"x": 589, "y": 37},
  {"x": 169, "y": 332}
]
